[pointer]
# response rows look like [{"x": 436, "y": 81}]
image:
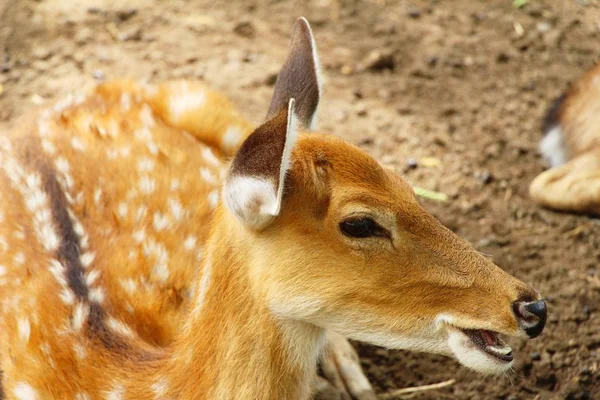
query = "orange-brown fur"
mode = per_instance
[
  {"x": 124, "y": 277},
  {"x": 574, "y": 185}
]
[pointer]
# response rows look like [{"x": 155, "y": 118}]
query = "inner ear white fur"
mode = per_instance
[
  {"x": 290, "y": 140},
  {"x": 256, "y": 200}
]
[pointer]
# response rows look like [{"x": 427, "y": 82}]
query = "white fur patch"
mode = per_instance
[
  {"x": 213, "y": 198},
  {"x": 160, "y": 388},
  {"x": 204, "y": 285},
  {"x": 254, "y": 200},
  {"x": 190, "y": 243},
  {"x": 552, "y": 148},
  {"x": 117, "y": 393},
  {"x": 82, "y": 396},
  {"x": 208, "y": 176},
  {"x": 231, "y": 138},
  {"x": 80, "y": 316},
  {"x": 183, "y": 100},
  {"x": 24, "y": 391},
  {"x": 24, "y": 328},
  {"x": 119, "y": 327},
  {"x": 210, "y": 157}
]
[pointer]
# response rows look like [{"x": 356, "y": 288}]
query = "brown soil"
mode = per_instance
[{"x": 457, "y": 88}]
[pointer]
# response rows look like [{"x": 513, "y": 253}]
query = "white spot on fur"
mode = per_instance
[
  {"x": 208, "y": 176},
  {"x": 147, "y": 116},
  {"x": 129, "y": 285},
  {"x": 147, "y": 185},
  {"x": 80, "y": 351},
  {"x": 160, "y": 221},
  {"x": 77, "y": 144},
  {"x": 139, "y": 236},
  {"x": 161, "y": 272},
  {"x": 119, "y": 327},
  {"x": 125, "y": 102},
  {"x": 152, "y": 148},
  {"x": 58, "y": 271},
  {"x": 48, "y": 147},
  {"x": 96, "y": 295},
  {"x": 143, "y": 134},
  {"x": 82, "y": 396},
  {"x": 116, "y": 393},
  {"x": 125, "y": 151},
  {"x": 24, "y": 327},
  {"x": 2, "y": 270},
  {"x": 160, "y": 388},
  {"x": 67, "y": 297},
  {"x": 145, "y": 165},
  {"x": 24, "y": 391},
  {"x": 175, "y": 185},
  {"x": 213, "y": 198},
  {"x": 204, "y": 285},
  {"x": 190, "y": 243},
  {"x": 19, "y": 258},
  {"x": 97, "y": 196},
  {"x": 122, "y": 210},
  {"x": 552, "y": 148},
  {"x": 80, "y": 316},
  {"x": 140, "y": 213},
  {"x": 91, "y": 278},
  {"x": 176, "y": 208},
  {"x": 231, "y": 138},
  {"x": 210, "y": 158},
  {"x": 87, "y": 259},
  {"x": 182, "y": 100}
]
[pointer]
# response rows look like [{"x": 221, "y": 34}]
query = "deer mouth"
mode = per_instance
[{"x": 490, "y": 343}]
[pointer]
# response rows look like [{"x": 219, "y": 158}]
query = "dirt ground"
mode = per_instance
[{"x": 450, "y": 92}]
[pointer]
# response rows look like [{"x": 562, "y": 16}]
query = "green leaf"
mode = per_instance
[
  {"x": 519, "y": 3},
  {"x": 430, "y": 194}
]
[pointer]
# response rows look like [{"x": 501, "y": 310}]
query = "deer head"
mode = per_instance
[{"x": 337, "y": 241}]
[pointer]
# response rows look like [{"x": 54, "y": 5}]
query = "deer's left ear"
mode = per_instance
[
  {"x": 300, "y": 77},
  {"x": 253, "y": 190}
]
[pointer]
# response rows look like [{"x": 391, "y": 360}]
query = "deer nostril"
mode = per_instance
[{"x": 532, "y": 316}]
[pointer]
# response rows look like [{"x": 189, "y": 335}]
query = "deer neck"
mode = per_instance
[{"x": 232, "y": 346}]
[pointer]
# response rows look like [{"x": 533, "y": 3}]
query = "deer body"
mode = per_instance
[
  {"x": 139, "y": 263},
  {"x": 571, "y": 146}
]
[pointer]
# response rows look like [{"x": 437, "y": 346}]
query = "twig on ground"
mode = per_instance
[{"x": 407, "y": 393}]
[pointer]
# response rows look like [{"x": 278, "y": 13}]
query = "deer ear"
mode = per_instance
[
  {"x": 300, "y": 77},
  {"x": 253, "y": 190}
]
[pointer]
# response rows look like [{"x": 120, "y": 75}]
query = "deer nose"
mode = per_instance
[{"x": 531, "y": 315}]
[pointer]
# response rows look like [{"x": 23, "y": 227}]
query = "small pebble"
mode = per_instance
[
  {"x": 414, "y": 12},
  {"x": 98, "y": 75},
  {"x": 245, "y": 29}
]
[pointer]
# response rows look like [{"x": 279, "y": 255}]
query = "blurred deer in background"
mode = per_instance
[
  {"x": 571, "y": 146},
  {"x": 136, "y": 263}
]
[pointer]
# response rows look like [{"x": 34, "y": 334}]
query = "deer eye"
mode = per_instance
[{"x": 362, "y": 227}]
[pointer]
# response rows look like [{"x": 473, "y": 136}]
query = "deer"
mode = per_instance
[
  {"x": 154, "y": 244},
  {"x": 571, "y": 147}
]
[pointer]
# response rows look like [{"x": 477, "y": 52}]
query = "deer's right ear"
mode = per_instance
[
  {"x": 300, "y": 77},
  {"x": 253, "y": 191}
]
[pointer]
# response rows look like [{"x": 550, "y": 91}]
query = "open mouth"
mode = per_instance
[{"x": 490, "y": 343}]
